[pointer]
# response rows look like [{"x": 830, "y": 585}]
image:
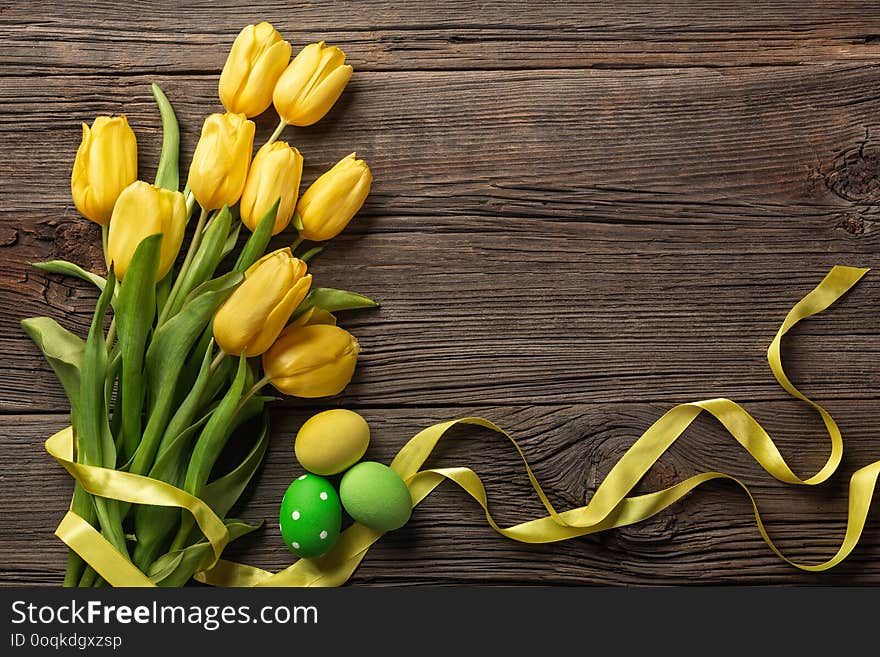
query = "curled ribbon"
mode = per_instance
[{"x": 609, "y": 507}]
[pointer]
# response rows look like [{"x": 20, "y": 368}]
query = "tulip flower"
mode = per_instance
[
  {"x": 310, "y": 85},
  {"x": 275, "y": 173},
  {"x": 256, "y": 312},
  {"x": 311, "y": 361},
  {"x": 142, "y": 210},
  {"x": 333, "y": 199},
  {"x": 105, "y": 164},
  {"x": 221, "y": 160},
  {"x": 257, "y": 59}
]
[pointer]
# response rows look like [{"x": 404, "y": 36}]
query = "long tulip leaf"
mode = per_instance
[
  {"x": 69, "y": 269},
  {"x": 168, "y": 170},
  {"x": 63, "y": 351},
  {"x": 189, "y": 407},
  {"x": 154, "y": 525},
  {"x": 231, "y": 240},
  {"x": 206, "y": 259},
  {"x": 134, "y": 319},
  {"x": 94, "y": 439},
  {"x": 215, "y": 434},
  {"x": 175, "y": 568},
  {"x": 332, "y": 300},
  {"x": 256, "y": 245},
  {"x": 222, "y": 493}
]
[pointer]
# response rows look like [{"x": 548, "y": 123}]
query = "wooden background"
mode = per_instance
[{"x": 581, "y": 216}]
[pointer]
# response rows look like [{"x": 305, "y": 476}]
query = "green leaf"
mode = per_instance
[
  {"x": 168, "y": 170},
  {"x": 166, "y": 356},
  {"x": 135, "y": 311},
  {"x": 93, "y": 436},
  {"x": 231, "y": 241},
  {"x": 189, "y": 407},
  {"x": 70, "y": 269},
  {"x": 206, "y": 259},
  {"x": 163, "y": 289},
  {"x": 256, "y": 245},
  {"x": 63, "y": 351},
  {"x": 224, "y": 284},
  {"x": 222, "y": 493},
  {"x": 175, "y": 568},
  {"x": 154, "y": 524},
  {"x": 333, "y": 301},
  {"x": 215, "y": 434}
]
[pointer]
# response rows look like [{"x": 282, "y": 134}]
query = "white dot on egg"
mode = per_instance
[
  {"x": 323, "y": 534},
  {"x": 295, "y": 515},
  {"x": 301, "y": 477},
  {"x": 295, "y": 545},
  {"x": 323, "y": 495}
]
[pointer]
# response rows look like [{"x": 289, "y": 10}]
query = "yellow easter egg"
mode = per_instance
[{"x": 332, "y": 441}]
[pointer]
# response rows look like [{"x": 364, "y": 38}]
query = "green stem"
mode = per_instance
[
  {"x": 216, "y": 362},
  {"x": 281, "y": 125},
  {"x": 190, "y": 254},
  {"x": 299, "y": 240}
]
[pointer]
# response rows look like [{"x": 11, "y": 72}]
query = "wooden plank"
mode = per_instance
[
  {"x": 708, "y": 538},
  {"x": 461, "y": 322},
  {"x": 382, "y": 35}
]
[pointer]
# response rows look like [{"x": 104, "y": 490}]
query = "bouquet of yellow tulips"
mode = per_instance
[{"x": 190, "y": 347}]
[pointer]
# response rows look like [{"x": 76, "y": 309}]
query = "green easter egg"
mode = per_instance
[
  {"x": 310, "y": 516},
  {"x": 332, "y": 441},
  {"x": 375, "y": 495}
]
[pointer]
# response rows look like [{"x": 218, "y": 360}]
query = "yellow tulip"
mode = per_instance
[
  {"x": 275, "y": 173},
  {"x": 143, "y": 210},
  {"x": 333, "y": 199},
  {"x": 221, "y": 160},
  {"x": 311, "y": 361},
  {"x": 310, "y": 85},
  {"x": 105, "y": 164},
  {"x": 253, "y": 316},
  {"x": 257, "y": 59}
]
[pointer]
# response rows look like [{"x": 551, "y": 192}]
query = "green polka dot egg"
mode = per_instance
[{"x": 310, "y": 516}]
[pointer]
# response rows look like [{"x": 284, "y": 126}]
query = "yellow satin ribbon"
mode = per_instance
[{"x": 609, "y": 507}]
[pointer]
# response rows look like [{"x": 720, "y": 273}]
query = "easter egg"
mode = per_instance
[
  {"x": 310, "y": 516},
  {"x": 375, "y": 495},
  {"x": 332, "y": 441}
]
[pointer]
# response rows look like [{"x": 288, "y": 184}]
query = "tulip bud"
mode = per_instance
[
  {"x": 333, "y": 199},
  {"x": 105, "y": 164},
  {"x": 310, "y": 85},
  {"x": 311, "y": 361},
  {"x": 275, "y": 172},
  {"x": 143, "y": 210},
  {"x": 257, "y": 59},
  {"x": 221, "y": 160},
  {"x": 253, "y": 316}
]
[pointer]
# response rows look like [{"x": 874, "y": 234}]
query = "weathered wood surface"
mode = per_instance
[{"x": 581, "y": 216}]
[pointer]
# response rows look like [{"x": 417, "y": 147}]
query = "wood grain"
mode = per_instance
[
  {"x": 581, "y": 216},
  {"x": 380, "y": 35}
]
